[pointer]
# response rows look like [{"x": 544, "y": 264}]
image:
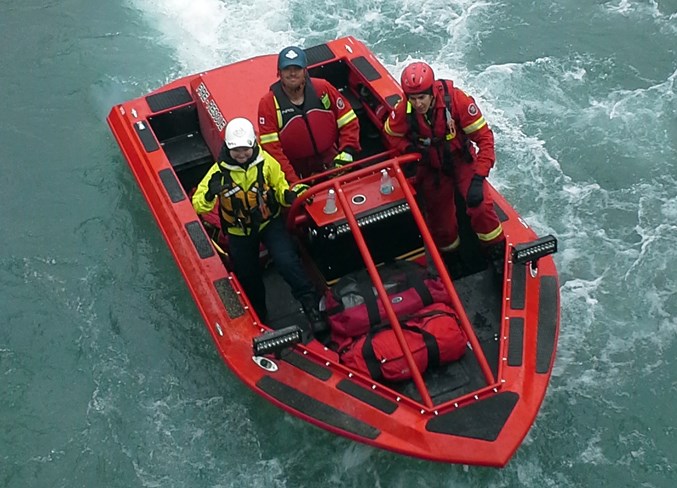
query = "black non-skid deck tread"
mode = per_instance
[
  {"x": 393, "y": 100},
  {"x": 518, "y": 286},
  {"x": 515, "y": 341},
  {"x": 316, "y": 409},
  {"x": 502, "y": 216},
  {"x": 483, "y": 419},
  {"x": 172, "y": 185},
  {"x": 200, "y": 240},
  {"x": 319, "y": 54},
  {"x": 168, "y": 99},
  {"x": 146, "y": 136},
  {"x": 366, "y": 68},
  {"x": 367, "y": 396},
  {"x": 230, "y": 300},
  {"x": 305, "y": 364},
  {"x": 547, "y": 323}
]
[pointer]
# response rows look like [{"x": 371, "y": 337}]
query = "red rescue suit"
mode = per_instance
[
  {"x": 306, "y": 139},
  {"x": 443, "y": 136}
]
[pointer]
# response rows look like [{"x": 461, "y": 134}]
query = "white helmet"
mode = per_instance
[{"x": 240, "y": 133}]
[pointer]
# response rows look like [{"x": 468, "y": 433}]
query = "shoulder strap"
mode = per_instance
[
  {"x": 447, "y": 99},
  {"x": 429, "y": 340},
  {"x": 448, "y": 114},
  {"x": 416, "y": 279},
  {"x": 370, "y": 301},
  {"x": 264, "y": 196},
  {"x": 412, "y": 123},
  {"x": 373, "y": 365}
]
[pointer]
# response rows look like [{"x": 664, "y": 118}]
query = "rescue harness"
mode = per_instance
[{"x": 440, "y": 143}]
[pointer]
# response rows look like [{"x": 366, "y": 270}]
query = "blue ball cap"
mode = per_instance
[{"x": 292, "y": 56}]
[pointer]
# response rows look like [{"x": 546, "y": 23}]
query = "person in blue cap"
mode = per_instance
[{"x": 305, "y": 123}]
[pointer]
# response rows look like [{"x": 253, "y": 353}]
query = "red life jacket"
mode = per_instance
[{"x": 308, "y": 131}]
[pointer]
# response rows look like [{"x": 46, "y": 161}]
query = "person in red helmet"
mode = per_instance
[
  {"x": 305, "y": 123},
  {"x": 446, "y": 126}
]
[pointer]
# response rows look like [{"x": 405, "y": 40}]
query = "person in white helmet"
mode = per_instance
[{"x": 250, "y": 187}]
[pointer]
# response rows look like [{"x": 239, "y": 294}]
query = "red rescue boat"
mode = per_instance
[{"x": 476, "y": 410}]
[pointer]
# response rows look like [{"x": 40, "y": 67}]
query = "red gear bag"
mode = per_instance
[
  {"x": 353, "y": 308},
  {"x": 433, "y": 335}
]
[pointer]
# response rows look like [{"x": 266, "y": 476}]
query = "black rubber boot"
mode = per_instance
[
  {"x": 310, "y": 305},
  {"x": 496, "y": 257},
  {"x": 454, "y": 263}
]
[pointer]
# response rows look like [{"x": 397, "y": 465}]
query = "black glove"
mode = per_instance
[
  {"x": 289, "y": 197},
  {"x": 411, "y": 148},
  {"x": 475, "y": 192},
  {"x": 215, "y": 186}
]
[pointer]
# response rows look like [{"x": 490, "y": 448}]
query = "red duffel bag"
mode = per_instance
[
  {"x": 352, "y": 305},
  {"x": 434, "y": 337}
]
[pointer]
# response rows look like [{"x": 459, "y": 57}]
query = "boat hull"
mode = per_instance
[{"x": 170, "y": 136}]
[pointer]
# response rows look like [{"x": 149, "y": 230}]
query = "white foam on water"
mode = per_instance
[
  {"x": 644, "y": 115},
  {"x": 654, "y": 16},
  {"x": 635, "y": 9},
  {"x": 351, "y": 460},
  {"x": 210, "y": 33},
  {"x": 593, "y": 452}
]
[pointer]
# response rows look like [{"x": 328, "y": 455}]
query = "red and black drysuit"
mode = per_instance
[{"x": 443, "y": 136}]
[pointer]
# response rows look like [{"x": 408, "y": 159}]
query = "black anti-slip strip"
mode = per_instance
[
  {"x": 480, "y": 420},
  {"x": 230, "y": 300},
  {"x": 547, "y": 323},
  {"x": 515, "y": 341},
  {"x": 518, "y": 286},
  {"x": 199, "y": 238},
  {"x": 315, "y": 408},
  {"x": 366, "y": 68},
  {"x": 171, "y": 184},
  {"x": 367, "y": 396},
  {"x": 146, "y": 136},
  {"x": 392, "y": 100},
  {"x": 168, "y": 99},
  {"x": 502, "y": 216},
  {"x": 302, "y": 362},
  {"x": 319, "y": 54}
]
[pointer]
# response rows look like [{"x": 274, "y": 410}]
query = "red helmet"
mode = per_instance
[{"x": 417, "y": 78}]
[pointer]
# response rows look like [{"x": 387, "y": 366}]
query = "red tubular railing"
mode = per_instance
[
  {"x": 383, "y": 295},
  {"x": 444, "y": 275},
  {"x": 368, "y": 161},
  {"x": 336, "y": 183}
]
